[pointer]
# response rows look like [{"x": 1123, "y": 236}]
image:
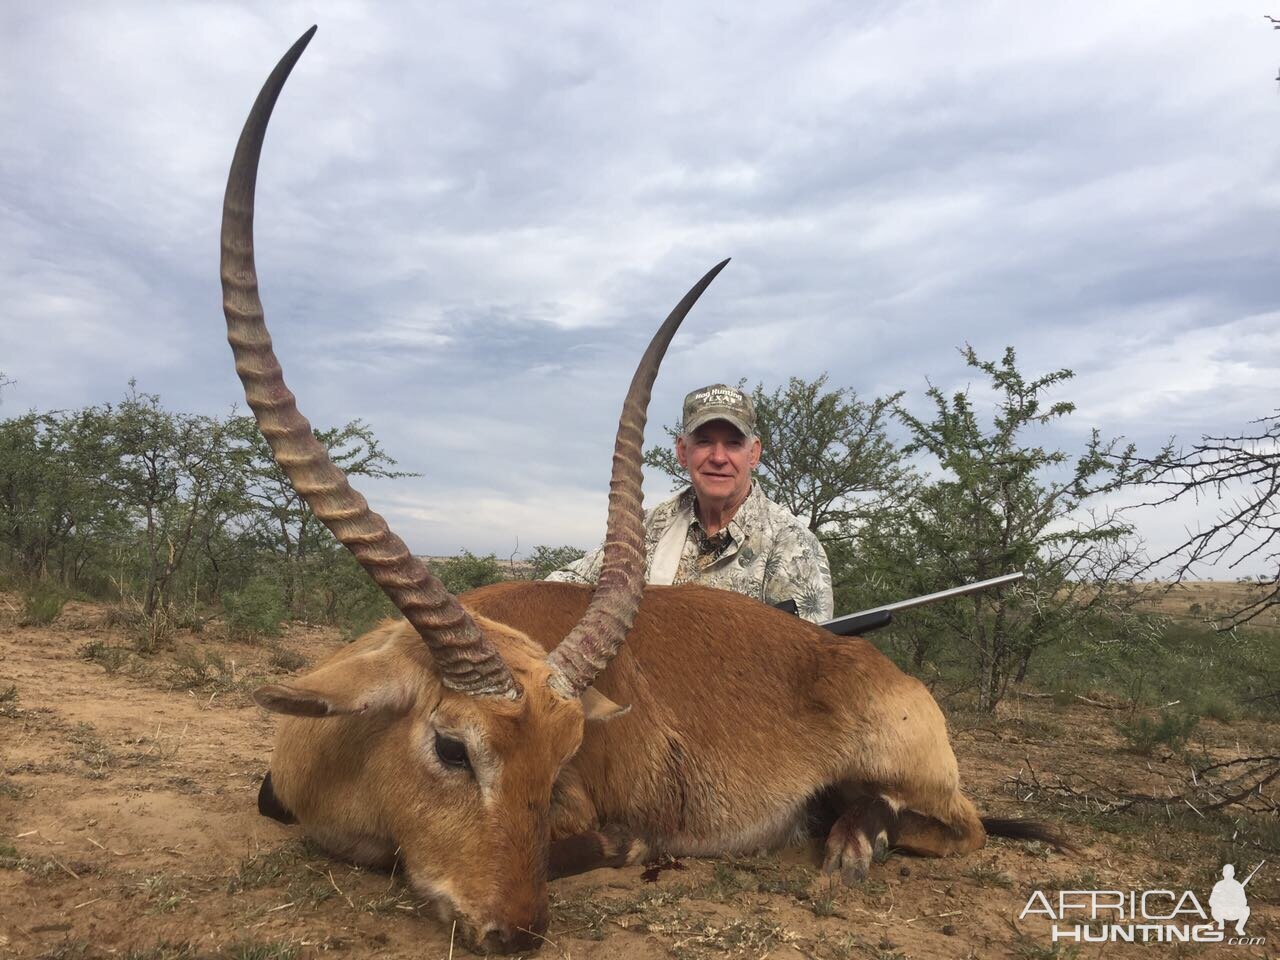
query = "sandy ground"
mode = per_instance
[{"x": 128, "y": 828}]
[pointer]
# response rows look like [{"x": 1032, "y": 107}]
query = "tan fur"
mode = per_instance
[{"x": 739, "y": 715}]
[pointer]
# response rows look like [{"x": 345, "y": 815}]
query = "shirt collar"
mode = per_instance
[{"x": 742, "y": 517}]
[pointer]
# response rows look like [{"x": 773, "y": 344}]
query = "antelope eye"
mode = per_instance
[{"x": 452, "y": 753}]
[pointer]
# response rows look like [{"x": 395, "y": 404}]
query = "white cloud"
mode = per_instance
[{"x": 471, "y": 217}]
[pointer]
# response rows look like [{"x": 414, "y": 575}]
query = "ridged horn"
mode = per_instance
[
  {"x": 594, "y": 641},
  {"x": 466, "y": 661}
]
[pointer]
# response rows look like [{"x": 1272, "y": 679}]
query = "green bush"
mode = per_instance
[
  {"x": 545, "y": 559},
  {"x": 467, "y": 571},
  {"x": 1170, "y": 729},
  {"x": 41, "y": 604},
  {"x": 1216, "y": 706},
  {"x": 256, "y": 610},
  {"x": 352, "y": 600},
  {"x": 344, "y": 595}
]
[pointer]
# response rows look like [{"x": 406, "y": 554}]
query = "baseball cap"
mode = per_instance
[{"x": 719, "y": 402}]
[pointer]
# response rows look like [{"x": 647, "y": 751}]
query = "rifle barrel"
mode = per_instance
[
  {"x": 1250, "y": 876},
  {"x": 848, "y": 623}
]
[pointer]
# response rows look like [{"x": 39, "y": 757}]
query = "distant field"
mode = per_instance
[{"x": 1208, "y": 600}]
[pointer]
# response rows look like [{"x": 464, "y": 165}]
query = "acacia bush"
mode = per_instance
[
  {"x": 1171, "y": 729},
  {"x": 256, "y": 610},
  {"x": 544, "y": 559},
  {"x": 42, "y": 602},
  {"x": 467, "y": 571}
]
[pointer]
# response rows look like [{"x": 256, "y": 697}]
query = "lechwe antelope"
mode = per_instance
[{"x": 480, "y": 741}]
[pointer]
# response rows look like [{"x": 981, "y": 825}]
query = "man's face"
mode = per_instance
[{"x": 719, "y": 460}]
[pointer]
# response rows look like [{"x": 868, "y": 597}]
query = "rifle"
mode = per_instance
[
  {"x": 1250, "y": 876},
  {"x": 864, "y": 621}
]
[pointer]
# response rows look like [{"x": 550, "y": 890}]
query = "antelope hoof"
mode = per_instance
[
  {"x": 624, "y": 849},
  {"x": 849, "y": 852},
  {"x": 880, "y": 848}
]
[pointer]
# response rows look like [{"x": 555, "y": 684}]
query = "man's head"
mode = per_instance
[{"x": 718, "y": 444}]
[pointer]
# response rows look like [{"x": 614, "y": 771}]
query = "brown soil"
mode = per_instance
[{"x": 128, "y": 828}]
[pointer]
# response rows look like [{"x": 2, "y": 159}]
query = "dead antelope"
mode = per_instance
[{"x": 470, "y": 740}]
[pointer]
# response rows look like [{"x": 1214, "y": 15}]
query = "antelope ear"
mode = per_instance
[
  {"x": 596, "y": 706},
  {"x": 360, "y": 684}
]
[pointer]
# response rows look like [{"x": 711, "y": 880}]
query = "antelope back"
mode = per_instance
[{"x": 739, "y": 715}]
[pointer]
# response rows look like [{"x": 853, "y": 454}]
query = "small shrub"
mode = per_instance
[
  {"x": 989, "y": 875},
  {"x": 824, "y": 903},
  {"x": 287, "y": 660},
  {"x": 91, "y": 750},
  {"x": 194, "y": 670},
  {"x": 1064, "y": 697},
  {"x": 255, "y": 611},
  {"x": 147, "y": 632},
  {"x": 41, "y": 605},
  {"x": 155, "y": 631},
  {"x": 111, "y": 658},
  {"x": 1170, "y": 729},
  {"x": 1216, "y": 706},
  {"x": 9, "y": 701},
  {"x": 163, "y": 892},
  {"x": 189, "y": 618}
]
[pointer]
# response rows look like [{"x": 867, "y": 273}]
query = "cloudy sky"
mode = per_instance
[{"x": 471, "y": 217}]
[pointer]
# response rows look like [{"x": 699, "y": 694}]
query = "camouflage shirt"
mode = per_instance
[{"x": 764, "y": 552}]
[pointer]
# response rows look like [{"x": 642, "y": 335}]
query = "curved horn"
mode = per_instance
[
  {"x": 467, "y": 662},
  {"x": 592, "y": 643}
]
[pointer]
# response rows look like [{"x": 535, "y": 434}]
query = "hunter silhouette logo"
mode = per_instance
[
  {"x": 1228, "y": 902},
  {"x": 1148, "y": 916}
]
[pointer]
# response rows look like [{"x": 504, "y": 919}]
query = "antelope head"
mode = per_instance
[{"x": 452, "y": 733}]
